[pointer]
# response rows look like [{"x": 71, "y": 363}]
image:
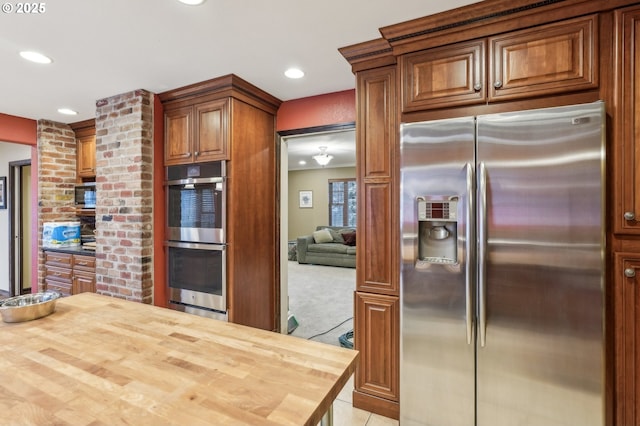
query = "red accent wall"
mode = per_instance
[
  {"x": 18, "y": 130},
  {"x": 314, "y": 111}
]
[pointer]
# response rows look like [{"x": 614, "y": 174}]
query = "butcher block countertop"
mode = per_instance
[{"x": 99, "y": 360}]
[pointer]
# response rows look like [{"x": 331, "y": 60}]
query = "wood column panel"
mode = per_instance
[
  {"x": 626, "y": 154},
  {"x": 378, "y": 327},
  {"x": 377, "y": 127},
  {"x": 375, "y": 266}
]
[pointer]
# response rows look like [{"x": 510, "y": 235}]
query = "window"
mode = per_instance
[{"x": 342, "y": 202}]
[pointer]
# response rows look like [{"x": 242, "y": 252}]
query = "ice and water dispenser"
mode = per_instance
[{"x": 437, "y": 229}]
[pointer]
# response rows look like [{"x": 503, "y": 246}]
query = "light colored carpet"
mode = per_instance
[{"x": 320, "y": 298}]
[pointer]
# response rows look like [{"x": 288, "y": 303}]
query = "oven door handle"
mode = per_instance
[
  {"x": 196, "y": 246},
  {"x": 192, "y": 181}
]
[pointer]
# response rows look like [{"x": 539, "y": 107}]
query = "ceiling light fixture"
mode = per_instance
[
  {"x": 322, "y": 158},
  {"x": 67, "y": 111},
  {"x": 294, "y": 73},
  {"x": 36, "y": 57},
  {"x": 192, "y": 2}
]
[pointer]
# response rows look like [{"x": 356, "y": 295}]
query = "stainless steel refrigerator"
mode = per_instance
[{"x": 502, "y": 275}]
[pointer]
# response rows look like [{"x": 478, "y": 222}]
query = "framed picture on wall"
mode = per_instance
[
  {"x": 3, "y": 192},
  {"x": 306, "y": 199}
]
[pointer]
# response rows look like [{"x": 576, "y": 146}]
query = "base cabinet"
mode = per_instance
[
  {"x": 376, "y": 327},
  {"x": 69, "y": 273},
  {"x": 627, "y": 346}
]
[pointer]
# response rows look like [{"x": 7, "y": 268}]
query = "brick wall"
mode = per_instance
[
  {"x": 124, "y": 164},
  {"x": 57, "y": 178}
]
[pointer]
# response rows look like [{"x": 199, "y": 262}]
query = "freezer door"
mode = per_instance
[
  {"x": 540, "y": 358},
  {"x": 437, "y": 338}
]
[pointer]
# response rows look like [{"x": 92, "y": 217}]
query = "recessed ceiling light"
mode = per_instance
[
  {"x": 294, "y": 73},
  {"x": 35, "y": 57},
  {"x": 192, "y": 2},
  {"x": 67, "y": 111},
  {"x": 302, "y": 162}
]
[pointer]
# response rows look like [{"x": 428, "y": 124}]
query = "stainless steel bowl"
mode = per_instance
[{"x": 29, "y": 306}]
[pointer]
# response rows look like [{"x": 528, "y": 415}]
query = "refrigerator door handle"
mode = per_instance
[
  {"x": 482, "y": 250},
  {"x": 469, "y": 250}
]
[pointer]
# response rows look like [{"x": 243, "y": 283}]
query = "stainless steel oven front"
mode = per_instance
[
  {"x": 196, "y": 203},
  {"x": 196, "y": 274}
]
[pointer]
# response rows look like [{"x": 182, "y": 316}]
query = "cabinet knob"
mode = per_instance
[
  {"x": 630, "y": 272},
  {"x": 196, "y": 153},
  {"x": 497, "y": 84},
  {"x": 188, "y": 154},
  {"x": 477, "y": 87},
  {"x": 629, "y": 216}
]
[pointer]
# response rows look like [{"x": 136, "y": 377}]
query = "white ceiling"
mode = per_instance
[
  {"x": 340, "y": 144},
  {"x": 102, "y": 48}
]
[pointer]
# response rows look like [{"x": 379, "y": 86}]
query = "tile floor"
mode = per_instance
[{"x": 345, "y": 415}]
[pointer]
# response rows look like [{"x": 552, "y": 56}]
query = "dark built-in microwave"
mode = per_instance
[{"x": 85, "y": 195}]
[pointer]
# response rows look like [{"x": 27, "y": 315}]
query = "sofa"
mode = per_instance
[{"x": 328, "y": 245}]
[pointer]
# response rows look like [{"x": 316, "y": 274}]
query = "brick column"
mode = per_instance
[
  {"x": 57, "y": 178},
  {"x": 124, "y": 216}
]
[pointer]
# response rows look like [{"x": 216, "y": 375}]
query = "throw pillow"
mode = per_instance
[
  {"x": 337, "y": 237},
  {"x": 322, "y": 236},
  {"x": 349, "y": 238}
]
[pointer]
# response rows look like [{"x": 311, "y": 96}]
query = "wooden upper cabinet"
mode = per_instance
[
  {"x": 626, "y": 170},
  {"x": 212, "y": 123},
  {"x": 543, "y": 60},
  {"x": 86, "y": 156},
  {"x": 444, "y": 76},
  {"x": 197, "y": 133},
  {"x": 552, "y": 58},
  {"x": 177, "y": 129}
]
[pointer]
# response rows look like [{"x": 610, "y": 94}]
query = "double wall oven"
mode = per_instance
[{"x": 196, "y": 244}]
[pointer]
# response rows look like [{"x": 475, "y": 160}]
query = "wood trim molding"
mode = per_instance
[
  {"x": 228, "y": 85},
  {"x": 84, "y": 128},
  {"x": 369, "y": 54}
]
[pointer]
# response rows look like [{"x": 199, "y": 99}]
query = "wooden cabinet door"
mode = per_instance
[
  {"x": 178, "y": 136},
  {"x": 83, "y": 282},
  {"x": 376, "y": 335},
  {"x": 443, "y": 77},
  {"x": 212, "y": 123},
  {"x": 86, "y": 156},
  {"x": 377, "y": 125},
  {"x": 547, "y": 59},
  {"x": 376, "y": 240},
  {"x": 627, "y": 337},
  {"x": 626, "y": 170}
]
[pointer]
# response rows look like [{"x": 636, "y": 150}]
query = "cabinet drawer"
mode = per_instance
[
  {"x": 84, "y": 263},
  {"x": 62, "y": 287},
  {"x": 58, "y": 259},
  {"x": 57, "y": 274}
]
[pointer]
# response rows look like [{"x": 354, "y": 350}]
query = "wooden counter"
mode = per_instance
[{"x": 104, "y": 361}]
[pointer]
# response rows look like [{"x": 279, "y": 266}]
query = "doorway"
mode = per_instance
[
  {"x": 296, "y": 146},
  {"x": 19, "y": 205}
]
